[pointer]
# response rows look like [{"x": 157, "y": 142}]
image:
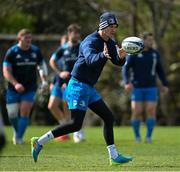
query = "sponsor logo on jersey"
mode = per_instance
[
  {"x": 66, "y": 52},
  {"x": 74, "y": 102},
  {"x": 33, "y": 55},
  {"x": 18, "y": 56},
  {"x": 140, "y": 55},
  {"x": 26, "y": 63}
]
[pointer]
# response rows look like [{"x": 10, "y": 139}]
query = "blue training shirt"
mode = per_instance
[
  {"x": 91, "y": 59},
  {"x": 141, "y": 70},
  {"x": 65, "y": 56},
  {"x": 23, "y": 64}
]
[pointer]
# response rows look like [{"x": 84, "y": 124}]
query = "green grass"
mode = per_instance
[{"x": 162, "y": 155}]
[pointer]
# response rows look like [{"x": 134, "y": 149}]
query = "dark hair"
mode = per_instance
[
  {"x": 74, "y": 27},
  {"x": 144, "y": 35}
]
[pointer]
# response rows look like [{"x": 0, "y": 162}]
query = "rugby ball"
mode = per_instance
[{"x": 132, "y": 45}]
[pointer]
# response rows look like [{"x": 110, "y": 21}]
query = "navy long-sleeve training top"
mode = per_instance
[
  {"x": 91, "y": 59},
  {"x": 141, "y": 70}
]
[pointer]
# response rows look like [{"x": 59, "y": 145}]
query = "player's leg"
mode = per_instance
[
  {"x": 12, "y": 105},
  {"x": 97, "y": 105},
  {"x": 64, "y": 120},
  {"x": 150, "y": 107},
  {"x": 53, "y": 106},
  {"x": 100, "y": 108},
  {"x": 76, "y": 94},
  {"x": 55, "y": 100},
  {"x": 74, "y": 125},
  {"x": 54, "y": 103},
  {"x": 27, "y": 100},
  {"x": 77, "y": 117},
  {"x": 137, "y": 109},
  {"x": 66, "y": 111},
  {"x": 78, "y": 136}
]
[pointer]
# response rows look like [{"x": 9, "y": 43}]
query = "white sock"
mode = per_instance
[
  {"x": 46, "y": 137},
  {"x": 112, "y": 151}
]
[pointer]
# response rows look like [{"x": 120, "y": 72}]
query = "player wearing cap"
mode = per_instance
[{"x": 95, "y": 50}]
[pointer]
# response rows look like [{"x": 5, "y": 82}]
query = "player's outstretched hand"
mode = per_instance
[
  {"x": 121, "y": 52},
  {"x": 19, "y": 87},
  {"x": 105, "y": 51}
]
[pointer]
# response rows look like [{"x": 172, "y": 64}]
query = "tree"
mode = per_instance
[{"x": 161, "y": 16}]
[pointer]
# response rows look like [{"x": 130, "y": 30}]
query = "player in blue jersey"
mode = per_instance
[
  {"x": 139, "y": 75},
  {"x": 63, "y": 41},
  {"x": 19, "y": 68},
  {"x": 62, "y": 62},
  {"x": 95, "y": 50}
]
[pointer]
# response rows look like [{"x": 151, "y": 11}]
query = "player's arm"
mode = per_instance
[
  {"x": 92, "y": 56},
  {"x": 126, "y": 74},
  {"x": 162, "y": 76},
  {"x": 126, "y": 70},
  {"x": 43, "y": 72},
  {"x": 42, "y": 69},
  {"x": 53, "y": 63},
  {"x": 7, "y": 73}
]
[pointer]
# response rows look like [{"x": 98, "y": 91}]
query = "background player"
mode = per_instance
[
  {"x": 62, "y": 62},
  {"x": 19, "y": 69},
  {"x": 94, "y": 52},
  {"x": 139, "y": 75},
  {"x": 63, "y": 41}
]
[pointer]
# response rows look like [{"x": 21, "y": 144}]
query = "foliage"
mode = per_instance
[
  {"x": 13, "y": 23},
  {"x": 160, "y": 17}
]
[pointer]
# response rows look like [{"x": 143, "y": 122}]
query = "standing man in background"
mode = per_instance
[
  {"x": 62, "y": 62},
  {"x": 19, "y": 69},
  {"x": 63, "y": 41},
  {"x": 140, "y": 74}
]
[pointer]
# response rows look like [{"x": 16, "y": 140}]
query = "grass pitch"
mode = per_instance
[{"x": 162, "y": 155}]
